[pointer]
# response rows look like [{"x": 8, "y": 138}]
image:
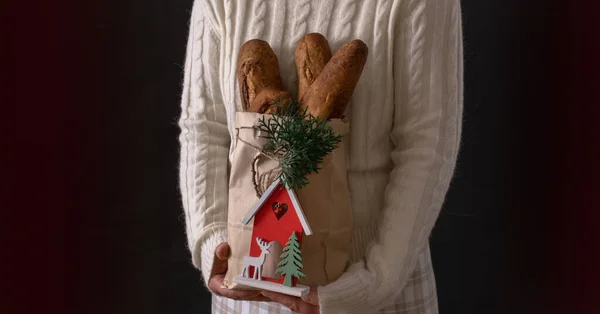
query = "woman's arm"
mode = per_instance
[
  {"x": 204, "y": 142},
  {"x": 426, "y": 133}
]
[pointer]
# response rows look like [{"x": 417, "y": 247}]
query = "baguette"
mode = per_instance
[
  {"x": 329, "y": 95},
  {"x": 311, "y": 55},
  {"x": 266, "y": 101},
  {"x": 257, "y": 69}
]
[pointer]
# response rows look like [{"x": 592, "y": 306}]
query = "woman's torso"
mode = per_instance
[{"x": 371, "y": 111}]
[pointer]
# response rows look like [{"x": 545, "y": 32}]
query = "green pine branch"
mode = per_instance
[
  {"x": 298, "y": 264},
  {"x": 299, "y": 140},
  {"x": 284, "y": 255}
]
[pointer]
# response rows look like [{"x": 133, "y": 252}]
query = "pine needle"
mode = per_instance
[{"x": 299, "y": 140}]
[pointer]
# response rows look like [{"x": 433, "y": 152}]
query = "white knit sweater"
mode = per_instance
[{"x": 405, "y": 120}]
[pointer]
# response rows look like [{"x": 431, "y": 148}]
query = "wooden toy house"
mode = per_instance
[{"x": 274, "y": 261}]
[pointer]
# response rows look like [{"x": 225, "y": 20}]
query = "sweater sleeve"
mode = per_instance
[
  {"x": 426, "y": 134},
  {"x": 204, "y": 141}
]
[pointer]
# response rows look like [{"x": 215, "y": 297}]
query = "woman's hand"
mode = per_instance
[
  {"x": 308, "y": 304},
  {"x": 218, "y": 274}
]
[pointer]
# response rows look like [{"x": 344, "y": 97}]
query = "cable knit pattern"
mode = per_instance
[
  {"x": 381, "y": 27},
  {"x": 301, "y": 14},
  {"x": 324, "y": 16},
  {"x": 260, "y": 11},
  {"x": 345, "y": 25},
  {"x": 416, "y": 51},
  {"x": 198, "y": 35},
  {"x": 230, "y": 63},
  {"x": 278, "y": 26},
  {"x": 405, "y": 120}
]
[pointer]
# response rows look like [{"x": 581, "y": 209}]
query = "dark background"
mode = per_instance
[{"x": 96, "y": 88}]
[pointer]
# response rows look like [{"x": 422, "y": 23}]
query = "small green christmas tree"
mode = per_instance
[{"x": 291, "y": 261}]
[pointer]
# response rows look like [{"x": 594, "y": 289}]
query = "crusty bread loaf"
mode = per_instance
[
  {"x": 311, "y": 56},
  {"x": 257, "y": 69},
  {"x": 330, "y": 93},
  {"x": 266, "y": 101}
]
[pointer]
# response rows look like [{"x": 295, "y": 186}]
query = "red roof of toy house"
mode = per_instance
[{"x": 292, "y": 198}]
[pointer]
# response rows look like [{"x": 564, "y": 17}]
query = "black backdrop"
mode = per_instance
[{"x": 511, "y": 236}]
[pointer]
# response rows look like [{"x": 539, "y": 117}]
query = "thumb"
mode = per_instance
[
  {"x": 222, "y": 252},
  {"x": 220, "y": 259},
  {"x": 312, "y": 297}
]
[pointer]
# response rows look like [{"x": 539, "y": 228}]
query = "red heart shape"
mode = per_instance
[{"x": 279, "y": 209}]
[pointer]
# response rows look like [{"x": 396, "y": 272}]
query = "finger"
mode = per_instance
[
  {"x": 260, "y": 298},
  {"x": 240, "y": 294},
  {"x": 220, "y": 259},
  {"x": 222, "y": 251},
  {"x": 253, "y": 295},
  {"x": 293, "y": 303},
  {"x": 215, "y": 285},
  {"x": 312, "y": 297}
]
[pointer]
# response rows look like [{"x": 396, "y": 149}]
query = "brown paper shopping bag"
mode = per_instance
[{"x": 325, "y": 202}]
